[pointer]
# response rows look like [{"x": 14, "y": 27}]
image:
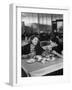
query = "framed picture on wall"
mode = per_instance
[{"x": 37, "y": 44}]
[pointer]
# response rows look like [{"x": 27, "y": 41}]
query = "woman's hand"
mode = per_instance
[
  {"x": 56, "y": 53},
  {"x": 46, "y": 52},
  {"x": 32, "y": 54},
  {"x": 25, "y": 56},
  {"x": 49, "y": 47}
]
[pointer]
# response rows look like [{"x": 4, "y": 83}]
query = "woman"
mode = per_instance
[
  {"x": 33, "y": 48},
  {"x": 57, "y": 50}
]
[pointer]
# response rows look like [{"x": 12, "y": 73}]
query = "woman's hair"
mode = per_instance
[
  {"x": 32, "y": 37},
  {"x": 38, "y": 44},
  {"x": 38, "y": 47}
]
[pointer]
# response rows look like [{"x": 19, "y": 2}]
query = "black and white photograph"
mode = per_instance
[{"x": 41, "y": 44}]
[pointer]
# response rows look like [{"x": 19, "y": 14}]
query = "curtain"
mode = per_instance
[{"x": 29, "y": 18}]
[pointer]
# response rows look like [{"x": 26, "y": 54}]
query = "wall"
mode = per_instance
[{"x": 4, "y": 43}]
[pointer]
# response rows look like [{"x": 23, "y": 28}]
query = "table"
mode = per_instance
[{"x": 39, "y": 69}]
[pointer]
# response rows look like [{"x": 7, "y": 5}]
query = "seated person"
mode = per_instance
[
  {"x": 57, "y": 50},
  {"x": 33, "y": 48}
]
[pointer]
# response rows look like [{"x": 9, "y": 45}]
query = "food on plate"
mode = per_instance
[
  {"x": 38, "y": 57},
  {"x": 31, "y": 61},
  {"x": 44, "y": 60},
  {"x": 52, "y": 58},
  {"x": 48, "y": 59}
]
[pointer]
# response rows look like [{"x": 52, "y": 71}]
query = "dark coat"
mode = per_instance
[
  {"x": 59, "y": 46},
  {"x": 26, "y": 49}
]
